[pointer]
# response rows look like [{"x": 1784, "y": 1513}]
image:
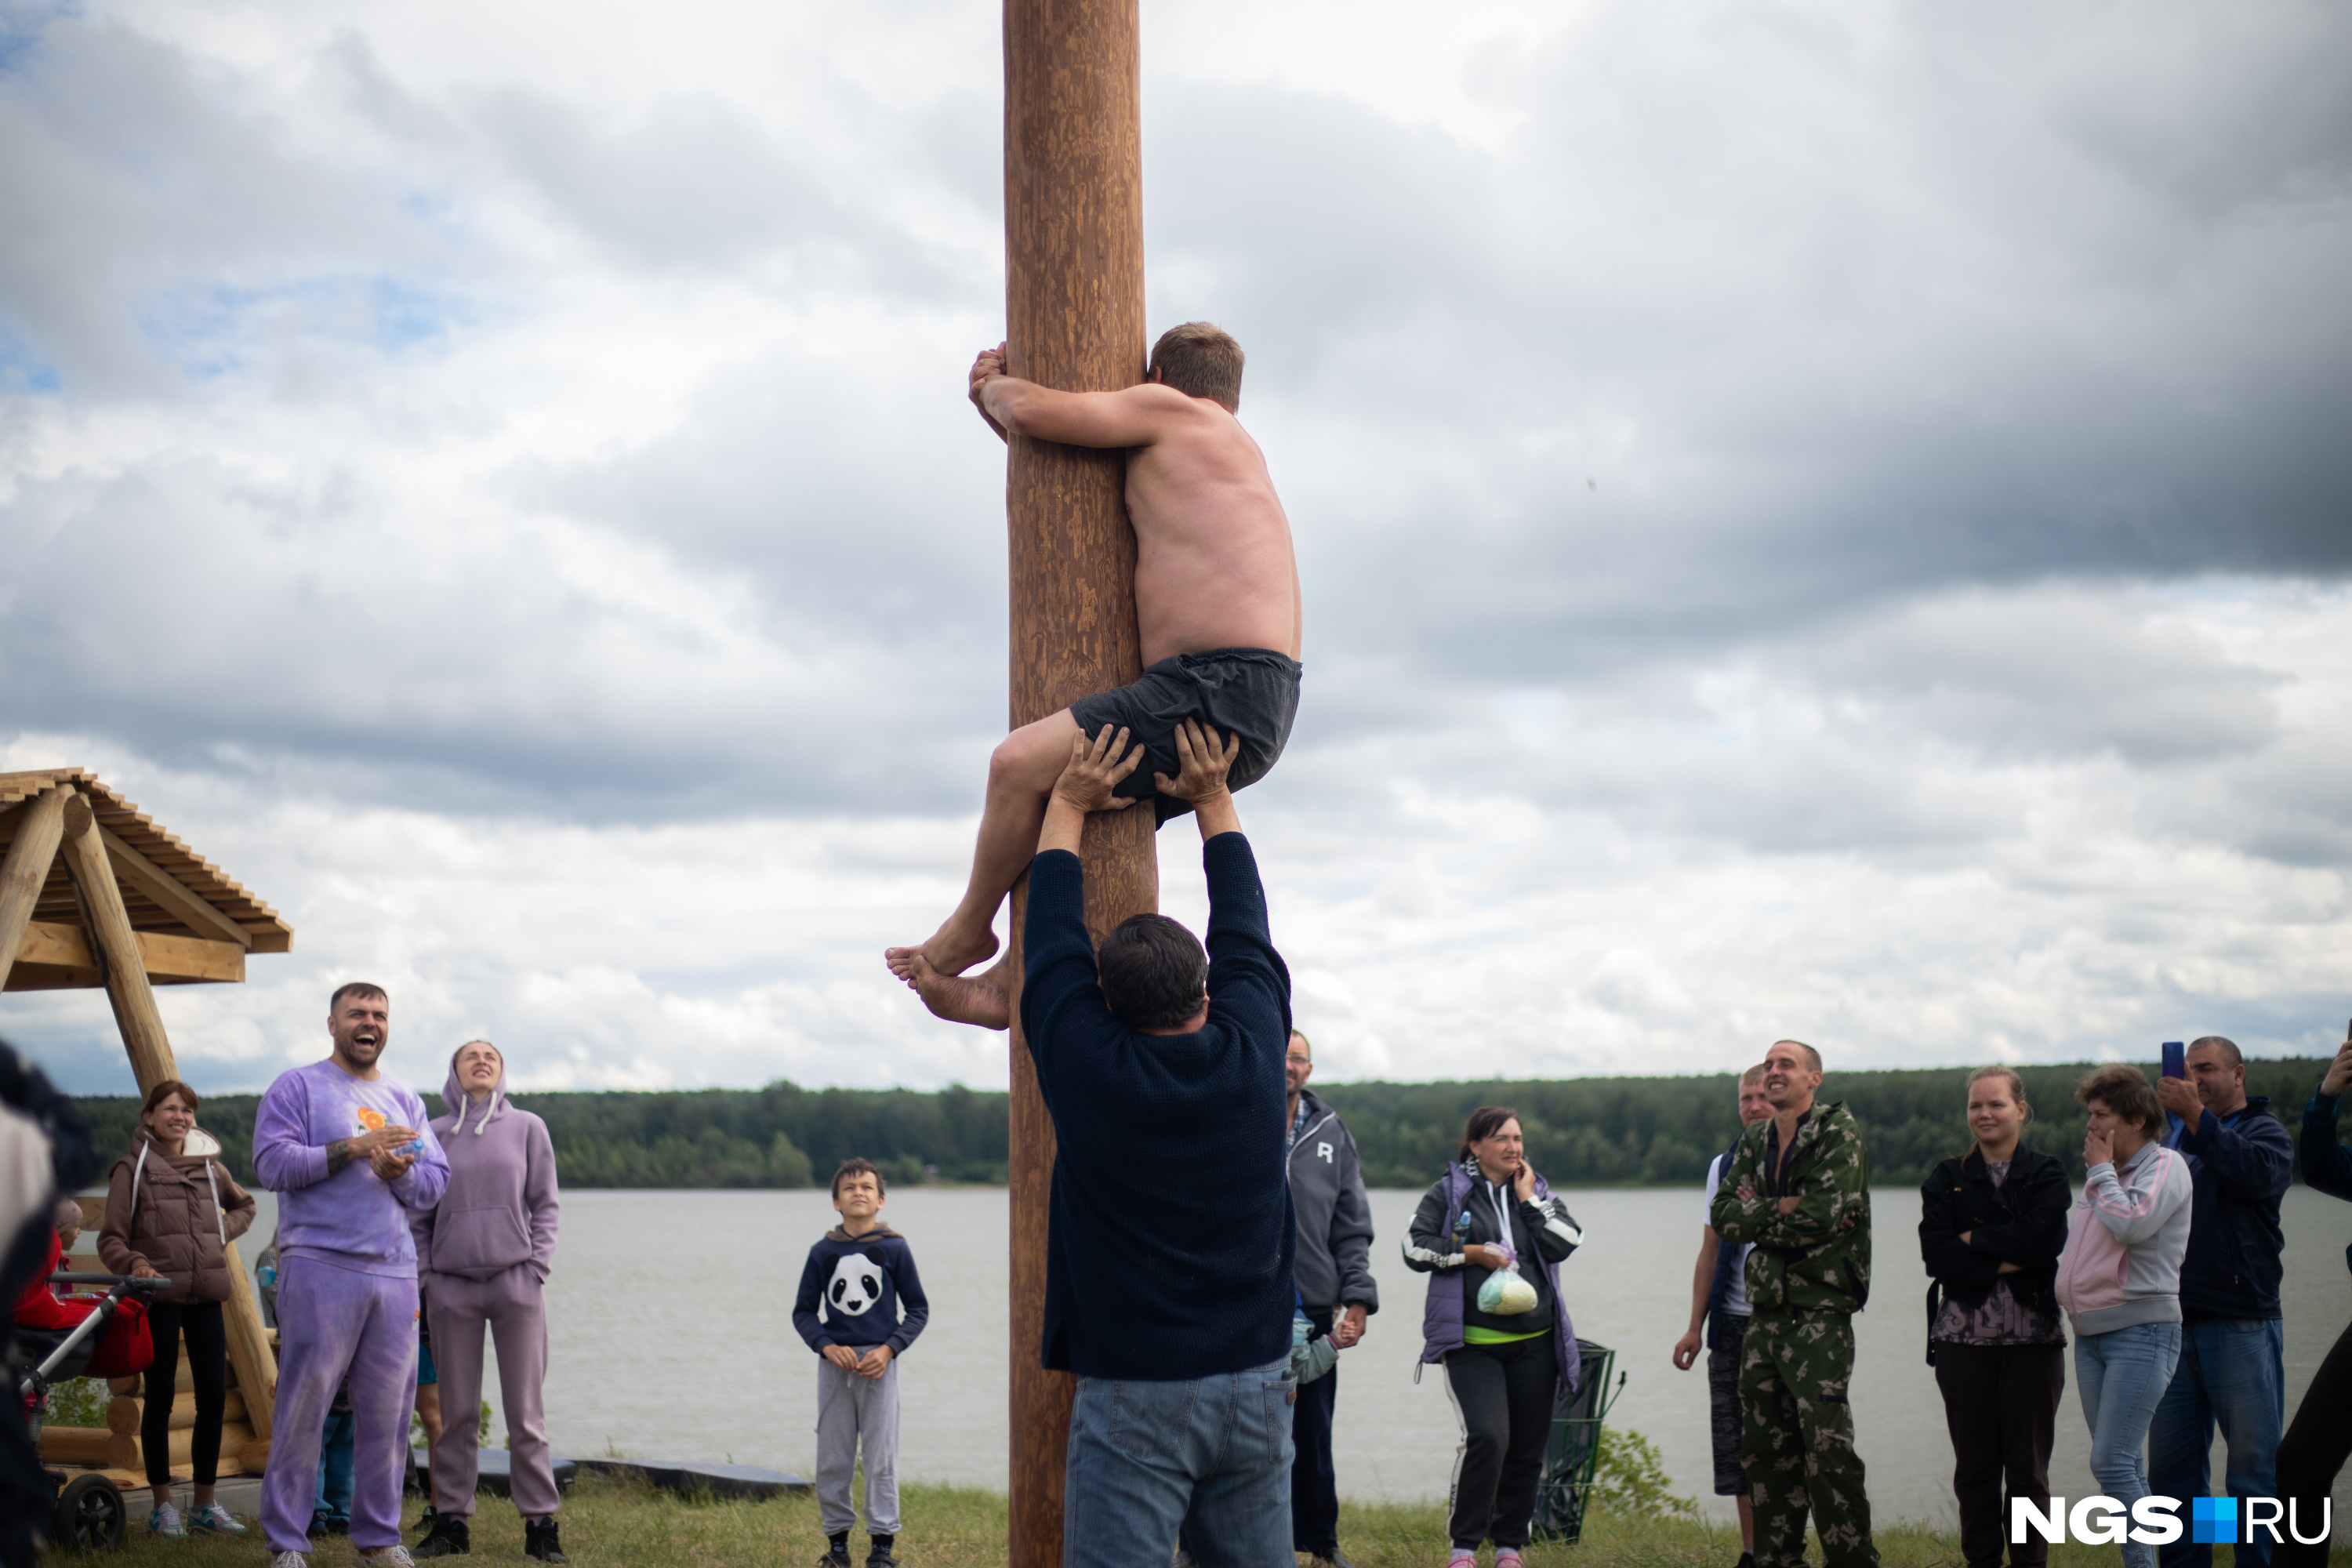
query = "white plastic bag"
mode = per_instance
[{"x": 1505, "y": 1294}]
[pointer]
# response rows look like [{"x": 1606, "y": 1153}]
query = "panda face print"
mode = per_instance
[{"x": 857, "y": 1285}]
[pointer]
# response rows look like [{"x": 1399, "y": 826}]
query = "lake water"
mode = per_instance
[{"x": 670, "y": 1320}]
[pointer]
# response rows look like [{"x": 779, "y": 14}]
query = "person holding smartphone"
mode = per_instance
[{"x": 2232, "y": 1371}]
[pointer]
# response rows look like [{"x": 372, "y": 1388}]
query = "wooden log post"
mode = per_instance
[
  {"x": 40, "y": 824},
  {"x": 1074, "y": 319},
  {"x": 152, "y": 1062},
  {"x": 117, "y": 945}
]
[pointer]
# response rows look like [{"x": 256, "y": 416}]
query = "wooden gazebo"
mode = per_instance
[{"x": 93, "y": 892}]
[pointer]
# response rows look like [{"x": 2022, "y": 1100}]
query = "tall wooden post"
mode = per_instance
[
  {"x": 117, "y": 945},
  {"x": 135, "y": 1014},
  {"x": 1074, "y": 317}
]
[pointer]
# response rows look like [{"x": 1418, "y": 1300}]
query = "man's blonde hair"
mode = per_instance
[
  {"x": 1752, "y": 1075},
  {"x": 1199, "y": 359}
]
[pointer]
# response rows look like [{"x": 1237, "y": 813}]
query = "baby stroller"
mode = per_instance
[{"x": 87, "y": 1510}]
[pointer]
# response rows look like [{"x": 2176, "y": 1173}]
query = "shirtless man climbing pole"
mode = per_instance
[{"x": 1217, "y": 600}]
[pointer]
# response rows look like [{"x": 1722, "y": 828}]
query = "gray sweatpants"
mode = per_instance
[{"x": 850, "y": 1407}]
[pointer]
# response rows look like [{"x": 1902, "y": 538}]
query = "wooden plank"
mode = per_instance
[
  {"x": 39, "y": 827},
  {"x": 61, "y": 957},
  {"x": 170, "y": 894}
]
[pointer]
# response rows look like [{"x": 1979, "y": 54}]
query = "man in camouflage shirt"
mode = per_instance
[{"x": 1799, "y": 1188}]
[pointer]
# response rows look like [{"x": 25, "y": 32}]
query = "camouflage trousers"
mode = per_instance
[{"x": 1796, "y": 1439}]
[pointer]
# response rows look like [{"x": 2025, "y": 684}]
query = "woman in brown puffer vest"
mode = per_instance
[{"x": 171, "y": 1210}]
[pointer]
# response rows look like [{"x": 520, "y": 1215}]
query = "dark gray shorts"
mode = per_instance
[
  {"x": 1252, "y": 692},
  {"x": 1723, "y": 1404}
]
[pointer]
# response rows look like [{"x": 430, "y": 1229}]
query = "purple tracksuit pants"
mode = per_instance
[
  {"x": 332, "y": 1322},
  {"x": 513, "y": 1306}
]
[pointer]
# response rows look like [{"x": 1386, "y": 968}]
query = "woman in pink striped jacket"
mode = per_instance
[{"x": 2119, "y": 1277}]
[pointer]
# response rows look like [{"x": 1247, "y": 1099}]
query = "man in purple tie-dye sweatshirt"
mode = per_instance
[{"x": 350, "y": 1153}]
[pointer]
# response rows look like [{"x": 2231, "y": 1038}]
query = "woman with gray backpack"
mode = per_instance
[{"x": 173, "y": 1210}]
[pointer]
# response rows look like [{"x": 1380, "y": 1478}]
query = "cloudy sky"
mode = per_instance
[{"x": 1817, "y": 518}]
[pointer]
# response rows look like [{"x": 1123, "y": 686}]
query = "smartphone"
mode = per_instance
[{"x": 2176, "y": 1059}]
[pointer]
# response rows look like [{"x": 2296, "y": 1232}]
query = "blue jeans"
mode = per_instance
[
  {"x": 2232, "y": 1371},
  {"x": 336, "y": 1451},
  {"x": 1207, "y": 1454},
  {"x": 2121, "y": 1376}
]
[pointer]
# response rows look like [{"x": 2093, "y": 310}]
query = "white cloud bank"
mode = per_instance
[{"x": 1816, "y": 521}]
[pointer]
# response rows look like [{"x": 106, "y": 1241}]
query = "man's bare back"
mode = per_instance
[
  {"x": 1217, "y": 602},
  {"x": 1214, "y": 565}
]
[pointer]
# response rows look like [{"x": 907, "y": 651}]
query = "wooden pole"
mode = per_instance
[
  {"x": 40, "y": 823},
  {"x": 1074, "y": 320},
  {"x": 117, "y": 945},
  {"x": 135, "y": 1014}
]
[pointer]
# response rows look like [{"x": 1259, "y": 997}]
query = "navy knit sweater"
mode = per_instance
[{"x": 1171, "y": 1244}]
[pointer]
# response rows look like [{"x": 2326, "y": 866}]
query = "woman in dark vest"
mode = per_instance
[
  {"x": 1991, "y": 1225},
  {"x": 1505, "y": 1360},
  {"x": 170, "y": 1209}
]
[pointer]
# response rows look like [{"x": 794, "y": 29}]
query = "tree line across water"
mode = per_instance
[{"x": 1585, "y": 1132}]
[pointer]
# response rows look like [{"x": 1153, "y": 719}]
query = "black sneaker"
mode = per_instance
[
  {"x": 325, "y": 1523},
  {"x": 425, "y": 1522},
  {"x": 834, "y": 1557},
  {"x": 1747, "y": 1560},
  {"x": 540, "y": 1540},
  {"x": 881, "y": 1556},
  {"x": 451, "y": 1537}
]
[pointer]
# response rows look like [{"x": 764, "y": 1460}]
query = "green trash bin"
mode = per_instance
[{"x": 1572, "y": 1451}]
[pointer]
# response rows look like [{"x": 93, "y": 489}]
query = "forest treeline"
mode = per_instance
[{"x": 1586, "y": 1131}]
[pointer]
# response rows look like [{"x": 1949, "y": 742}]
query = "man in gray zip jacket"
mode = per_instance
[{"x": 1335, "y": 1286}]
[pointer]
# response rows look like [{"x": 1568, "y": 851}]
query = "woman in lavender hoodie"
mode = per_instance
[
  {"x": 482, "y": 1260},
  {"x": 2119, "y": 1278}
]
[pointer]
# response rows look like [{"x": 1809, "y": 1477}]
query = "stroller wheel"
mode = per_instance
[{"x": 89, "y": 1516}]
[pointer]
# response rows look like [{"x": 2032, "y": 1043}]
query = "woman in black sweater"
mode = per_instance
[{"x": 1991, "y": 1225}]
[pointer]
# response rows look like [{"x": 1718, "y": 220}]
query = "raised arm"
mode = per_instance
[{"x": 1134, "y": 417}]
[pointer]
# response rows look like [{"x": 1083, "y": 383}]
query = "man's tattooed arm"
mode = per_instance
[{"x": 339, "y": 1154}]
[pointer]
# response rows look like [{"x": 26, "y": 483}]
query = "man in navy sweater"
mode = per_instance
[
  {"x": 1168, "y": 1268},
  {"x": 2231, "y": 1369}
]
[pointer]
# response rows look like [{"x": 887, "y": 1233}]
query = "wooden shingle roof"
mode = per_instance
[{"x": 168, "y": 889}]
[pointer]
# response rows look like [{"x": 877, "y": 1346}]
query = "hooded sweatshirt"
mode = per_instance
[
  {"x": 860, "y": 1281},
  {"x": 502, "y": 1208},
  {"x": 350, "y": 1218},
  {"x": 2129, "y": 1231}
]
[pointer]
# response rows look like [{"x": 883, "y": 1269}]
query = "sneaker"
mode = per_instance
[
  {"x": 288, "y": 1560},
  {"x": 165, "y": 1521},
  {"x": 450, "y": 1536},
  {"x": 1507, "y": 1557},
  {"x": 424, "y": 1521},
  {"x": 880, "y": 1557},
  {"x": 325, "y": 1523},
  {"x": 1747, "y": 1560},
  {"x": 1462, "y": 1557},
  {"x": 836, "y": 1555},
  {"x": 214, "y": 1520},
  {"x": 392, "y": 1556},
  {"x": 1333, "y": 1558},
  {"x": 540, "y": 1540}
]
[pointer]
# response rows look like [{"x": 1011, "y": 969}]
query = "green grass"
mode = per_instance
[{"x": 615, "y": 1523}]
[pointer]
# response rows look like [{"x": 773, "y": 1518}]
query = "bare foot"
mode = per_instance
[
  {"x": 950, "y": 951},
  {"x": 984, "y": 999}
]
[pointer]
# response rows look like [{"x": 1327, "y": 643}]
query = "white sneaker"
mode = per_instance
[
  {"x": 213, "y": 1518},
  {"x": 392, "y": 1556},
  {"x": 165, "y": 1521},
  {"x": 289, "y": 1560}
]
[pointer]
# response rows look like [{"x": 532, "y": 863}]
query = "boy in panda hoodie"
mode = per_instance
[{"x": 860, "y": 1274}]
